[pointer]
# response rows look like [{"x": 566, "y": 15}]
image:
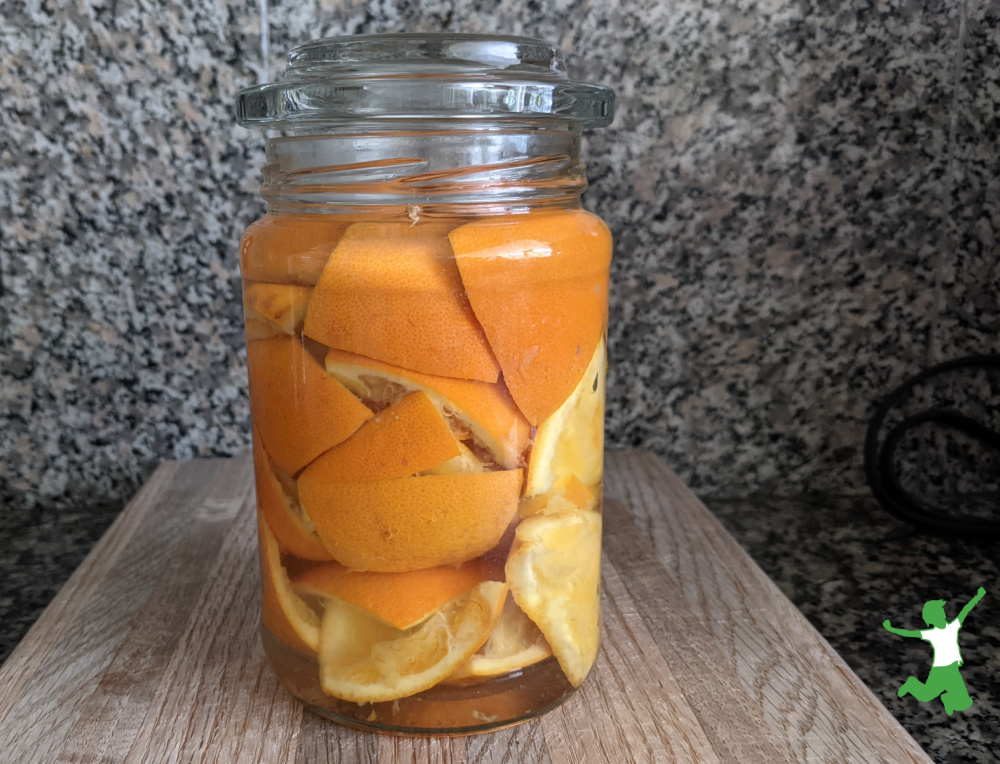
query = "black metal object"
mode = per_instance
[{"x": 880, "y": 469}]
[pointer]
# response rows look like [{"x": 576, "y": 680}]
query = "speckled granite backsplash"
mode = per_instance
[{"x": 805, "y": 198}]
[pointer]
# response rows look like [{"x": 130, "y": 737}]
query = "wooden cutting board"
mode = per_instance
[{"x": 150, "y": 653}]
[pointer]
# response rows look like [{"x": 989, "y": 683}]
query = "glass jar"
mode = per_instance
[{"x": 426, "y": 311}]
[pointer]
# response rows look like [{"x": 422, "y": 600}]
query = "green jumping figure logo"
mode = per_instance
[{"x": 944, "y": 680}]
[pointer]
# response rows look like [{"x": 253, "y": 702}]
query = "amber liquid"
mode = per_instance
[
  {"x": 341, "y": 372},
  {"x": 457, "y": 709}
]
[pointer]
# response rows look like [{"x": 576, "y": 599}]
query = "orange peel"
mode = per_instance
[
  {"x": 392, "y": 292},
  {"x": 282, "y": 306},
  {"x": 538, "y": 285},
  {"x": 486, "y": 411},
  {"x": 566, "y": 495},
  {"x": 570, "y": 442},
  {"x": 258, "y": 329},
  {"x": 289, "y": 249},
  {"x": 554, "y": 574},
  {"x": 284, "y": 613},
  {"x": 402, "y": 600},
  {"x": 278, "y": 503},
  {"x": 408, "y": 437},
  {"x": 514, "y": 643},
  {"x": 299, "y": 410},
  {"x": 412, "y": 522},
  {"x": 364, "y": 660}
]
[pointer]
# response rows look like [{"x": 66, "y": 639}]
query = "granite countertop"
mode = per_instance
[{"x": 844, "y": 562}]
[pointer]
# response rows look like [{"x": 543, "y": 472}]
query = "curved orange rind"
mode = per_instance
[
  {"x": 289, "y": 249},
  {"x": 284, "y": 613},
  {"x": 392, "y": 292},
  {"x": 554, "y": 574},
  {"x": 485, "y": 411},
  {"x": 408, "y": 437},
  {"x": 515, "y": 643},
  {"x": 278, "y": 503},
  {"x": 299, "y": 410},
  {"x": 364, "y": 660},
  {"x": 402, "y": 600},
  {"x": 537, "y": 284},
  {"x": 570, "y": 442},
  {"x": 564, "y": 496},
  {"x": 412, "y": 522},
  {"x": 280, "y": 306},
  {"x": 258, "y": 329}
]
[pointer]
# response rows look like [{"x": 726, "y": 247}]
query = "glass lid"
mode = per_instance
[{"x": 425, "y": 77}]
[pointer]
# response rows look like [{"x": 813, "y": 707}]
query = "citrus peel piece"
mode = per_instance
[
  {"x": 364, "y": 660},
  {"x": 257, "y": 329},
  {"x": 401, "y": 600},
  {"x": 299, "y": 410},
  {"x": 392, "y": 291},
  {"x": 465, "y": 463},
  {"x": 289, "y": 249},
  {"x": 564, "y": 496},
  {"x": 554, "y": 573},
  {"x": 570, "y": 443},
  {"x": 412, "y": 522},
  {"x": 282, "y": 306},
  {"x": 284, "y": 613},
  {"x": 408, "y": 437},
  {"x": 486, "y": 411},
  {"x": 279, "y": 505},
  {"x": 537, "y": 284},
  {"x": 514, "y": 643}
]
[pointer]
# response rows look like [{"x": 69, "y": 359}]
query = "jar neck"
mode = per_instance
[{"x": 440, "y": 171}]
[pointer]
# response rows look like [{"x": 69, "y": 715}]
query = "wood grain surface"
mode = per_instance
[{"x": 150, "y": 653}]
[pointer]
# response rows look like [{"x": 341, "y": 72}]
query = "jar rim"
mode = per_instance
[{"x": 460, "y": 77}]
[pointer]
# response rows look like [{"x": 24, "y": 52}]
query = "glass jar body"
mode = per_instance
[{"x": 426, "y": 325}]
